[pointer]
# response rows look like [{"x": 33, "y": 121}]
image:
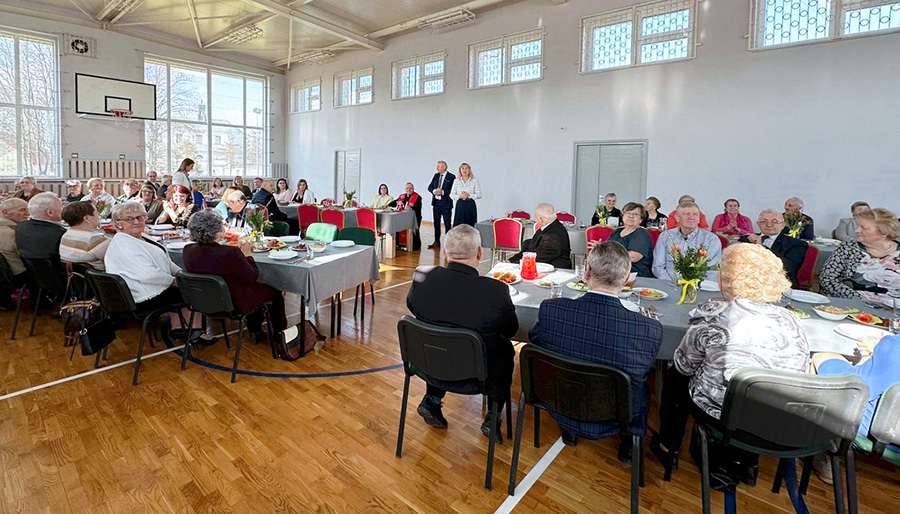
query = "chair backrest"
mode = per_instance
[
  {"x": 577, "y": 389},
  {"x": 885, "y": 428},
  {"x": 207, "y": 294},
  {"x": 279, "y": 228},
  {"x": 805, "y": 272},
  {"x": 565, "y": 217},
  {"x": 263, "y": 209},
  {"x": 324, "y": 232},
  {"x": 522, "y": 215},
  {"x": 598, "y": 233},
  {"x": 112, "y": 291},
  {"x": 654, "y": 236},
  {"x": 334, "y": 217},
  {"x": 366, "y": 218},
  {"x": 47, "y": 273},
  {"x": 508, "y": 233},
  {"x": 6, "y": 274},
  {"x": 442, "y": 353},
  {"x": 359, "y": 235},
  {"x": 794, "y": 409},
  {"x": 307, "y": 214},
  {"x": 724, "y": 240}
]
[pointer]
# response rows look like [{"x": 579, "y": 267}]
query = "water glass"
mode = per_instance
[
  {"x": 894, "y": 322},
  {"x": 636, "y": 298},
  {"x": 556, "y": 290},
  {"x": 579, "y": 272}
]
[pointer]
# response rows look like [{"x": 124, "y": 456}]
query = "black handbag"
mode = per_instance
[{"x": 97, "y": 336}]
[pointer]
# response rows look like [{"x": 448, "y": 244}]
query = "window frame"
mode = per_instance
[
  {"x": 54, "y": 40},
  {"x": 300, "y": 86},
  {"x": 353, "y": 75},
  {"x": 419, "y": 62},
  {"x": 835, "y": 25},
  {"x": 505, "y": 44},
  {"x": 635, "y": 14}
]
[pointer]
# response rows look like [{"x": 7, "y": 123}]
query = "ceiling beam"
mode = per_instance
[
  {"x": 253, "y": 20},
  {"x": 290, "y": 42},
  {"x": 311, "y": 21},
  {"x": 78, "y": 5},
  {"x": 193, "y": 13}
]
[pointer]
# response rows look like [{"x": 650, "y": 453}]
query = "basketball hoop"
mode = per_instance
[{"x": 122, "y": 116}]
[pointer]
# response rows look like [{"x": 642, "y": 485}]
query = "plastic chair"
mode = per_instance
[
  {"x": 654, "y": 236},
  {"x": 279, "y": 228},
  {"x": 885, "y": 429},
  {"x": 50, "y": 277},
  {"x": 805, "y": 273},
  {"x": 565, "y": 217},
  {"x": 324, "y": 232},
  {"x": 115, "y": 298},
  {"x": 521, "y": 215},
  {"x": 507, "y": 237},
  {"x": 307, "y": 214},
  {"x": 786, "y": 415},
  {"x": 580, "y": 390},
  {"x": 334, "y": 217},
  {"x": 448, "y": 355},
  {"x": 360, "y": 236},
  {"x": 598, "y": 233},
  {"x": 9, "y": 281},
  {"x": 724, "y": 240},
  {"x": 209, "y": 295}
]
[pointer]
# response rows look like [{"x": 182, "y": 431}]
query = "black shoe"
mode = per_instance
[
  {"x": 664, "y": 457},
  {"x": 625, "y": 451},
  {"x": 203, "y": 341},
  {"x": 260, "y": 337},
  {"x": 430, "y": 410},
  {"x": 569, "y": 439},
  {"x": 486, "y": 428},
  {"x": 434, "y": 245},
  {"x": 748, "y": 474}
]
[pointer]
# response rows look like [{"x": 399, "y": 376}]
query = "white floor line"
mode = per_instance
[
  {"x": 531, "y": 478},
  {"x": 85, "y": 374}
]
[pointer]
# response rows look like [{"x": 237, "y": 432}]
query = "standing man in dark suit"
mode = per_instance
[
  {"x": 550, "y": 241},
  {"x": 441, "y": 204},
  {"x": 773, "y": 235},
  {"x": 457, "y": 296},
  {"x": 597, "y": 328}
]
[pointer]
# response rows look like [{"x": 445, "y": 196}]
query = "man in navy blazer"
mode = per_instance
[
  {"x": 597, "y": 328},
  {"x": 774, "y": 236},
  {"x": 441, "y": 204}
]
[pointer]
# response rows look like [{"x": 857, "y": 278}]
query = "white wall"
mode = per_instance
[
  {"x": 818, "y": 121},
  {"x": 121, "y": 56}
]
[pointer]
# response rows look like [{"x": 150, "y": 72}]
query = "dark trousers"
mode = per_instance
[
  {"x": 277, "y": 313},
  {"x": 441, "y": 211}
]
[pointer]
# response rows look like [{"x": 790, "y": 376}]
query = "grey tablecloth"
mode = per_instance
[
  {"x": 675, "y": 317},
  {"x": 331, "y": 271},
  {"x": 393, "y": 222},
  {"x": 577, "y": 239}
]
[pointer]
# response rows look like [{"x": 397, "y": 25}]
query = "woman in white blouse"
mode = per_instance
[
  {"x": 382, "y": 199},
  {"x": 464, "y": 192},
  {"x": 218, "y": 188},
  {"x": 303, "y": 194},
  {"x": 283, "y": 193}
]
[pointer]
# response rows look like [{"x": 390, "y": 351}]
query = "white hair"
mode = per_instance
[
  {"x": 546, "y": 212},
  {"x": 795, "y": 199},
  {"x": 12, "y": 204},
  {"x": 462, "y": 242},
  {"x": 40, "y": 202},
  {"x": 235, "y": 196}
]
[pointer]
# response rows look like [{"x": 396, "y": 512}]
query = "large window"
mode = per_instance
[
  {"x": 648, "y": 33},
  {"x": 217, "y": 118},
  {"x": 29, "y": 105},
  {"x": 776, "y": 23},
  {"x": 507, "y": 59},
  {"x": 307, "y": 95},
  {"x": 353, "y": 87},
  {"x": 422, "y": 75}
]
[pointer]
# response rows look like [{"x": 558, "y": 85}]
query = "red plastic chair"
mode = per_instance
[
  {"x": 308, "y": 214},
  {"x": 724, "y": 240},
  {"x": 507, "y": 237},
  {"x": 598, "y": 233},
  {"x": 805, "y": 273},
  {"x": 654, "y": 236},
  {"x": 520, "y": 215},
  {"x": 565, "y": 217},
  {"x": 334, "y": 217}
]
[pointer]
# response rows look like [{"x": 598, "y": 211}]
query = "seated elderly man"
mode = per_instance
[
  {"x": 163, "y": 189},
  {"x": 130, "y": 190},
  {"x": 74, "y": 191},
  {"x": 791, "y": 251},
  {"x": 550, "y": 241},
  {"x": 38, "y": 238},
  {"x": 794, "y": 205},
  {"x": 457, "y": 296},
  {"x": 597, "y": 328},
  {"x": 97, "y": 193},
  {"x": 238, "y": 209},
  {"x": 672, "y": 221},
  {"x": 686, "y": 235},
  {"x": 152, "y": 181},
  {"x": 265, "y": 196},
  {"x": 26, "y": 188},
  {"x": 12, "y": 212}
]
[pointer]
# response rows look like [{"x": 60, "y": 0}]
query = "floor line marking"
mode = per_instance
[
  {"x": 85, "y": 374},
  {"x": 531, "y": 478}
]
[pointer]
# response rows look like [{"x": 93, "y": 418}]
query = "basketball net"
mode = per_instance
[{"x": 122, "y": 117}]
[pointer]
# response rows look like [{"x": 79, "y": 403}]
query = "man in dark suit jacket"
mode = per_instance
[
  {"x": 550, "y": 241},
  {"x": 773, "y": 235},
  {"x": 457, "y": 296},
  {"x": 263, "y": 196},
  {"x": 441, "y": 204},
  {"x": 38, "y": 238},
  {"x": 794, "y": 204},
  {"x": 597, "y": 328}
]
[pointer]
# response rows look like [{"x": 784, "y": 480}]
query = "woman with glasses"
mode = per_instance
[{"x": 635, "y": 239}]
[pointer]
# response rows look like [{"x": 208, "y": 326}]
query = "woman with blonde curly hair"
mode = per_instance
[{"x": 743, "y": 329}]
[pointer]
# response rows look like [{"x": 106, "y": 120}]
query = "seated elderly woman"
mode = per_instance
[
  {"x": 868, "y": 268},
  {"x": 732, "y": 222},
  {"x": 97, "y": 193},
  {"x": 236, "y": 265},
  {"x": 148, "y": 199},
  {"x": 178, "y": 207},
  {"x": 635, "y": 239},
  {"x": 82, "y": 243},
  {"x": 744, "y": 329}
]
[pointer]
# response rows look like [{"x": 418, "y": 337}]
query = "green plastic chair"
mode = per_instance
[
  {"x": 279, "y": 228},
  {"x": 324, "y": 232},
  {"x": 885, "y": 428},
  {"x": 360, "y": 236}
]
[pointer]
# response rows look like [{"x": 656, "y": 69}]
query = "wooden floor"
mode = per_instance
[{"x": 190, "y": 441}]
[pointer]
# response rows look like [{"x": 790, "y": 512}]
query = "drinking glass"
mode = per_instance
[
  {"x": 579, "y": 272},
  {"x": 556, "y": 290},
  {"x": 894, "y": 322},
  {"x": 636, "y": 298}
]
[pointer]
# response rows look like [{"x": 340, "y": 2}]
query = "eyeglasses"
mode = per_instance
[
  {"x": 632, "y": 214},
  {"x": 770, "y": 222},
  {"x": 135, "y": 219}
]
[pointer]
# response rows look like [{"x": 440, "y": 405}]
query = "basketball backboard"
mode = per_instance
[{"x": 100, "y": 96}]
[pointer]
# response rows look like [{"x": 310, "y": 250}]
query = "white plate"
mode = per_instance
[
  {"x": 709, "y": 285},
  {"x": 852, "y": 317},
  {"x": 289, "y": 239},
  {"x": 316, "y": 250},
  {"x": 178, "y": 245},
  {"x": 512, "y": 290},
  {"x": 628, "y": 304},
  {"x": 342, "y": 243},
  {"x": 651, "y": 298},
  {"x": 164, "y": 226},
  {"x": 626, "y": 292},
  {"x": 571, "y": 285},
  {"x": 543, "y": 282},
  {"x": 859, "y": 331},
  {"x": 283, "y": 255},
  {"x": 543, "y": 267},
  {"x": 829, "y": 316},
  {"x": 806, "y": 296},
  {"x": 516, "y": 281}
]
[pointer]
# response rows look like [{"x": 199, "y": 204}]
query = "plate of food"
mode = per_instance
[
  {"x": 831, "y": 312},
  {"x": 578, "y": 285},
  {"x": 868, "y": 319},
  {"x": 858, "y": 332},
  {"x": 799, "y": 312},
  {"x": 342, "y": 243},
  {"x": 299, "y": 247},
  {"x": 543, "y": 267},
  {"x": 507, "y": 277},
  {"x": 543, "y": 283},
  {"x": 274, "y": 244},
  {"x": 806, "y": 296},
  {"x": 626, "y": 292},
  {"x": 282, "y": 255},
  {"x": 648, "y": 293},
  {"x": 317, "y": 246}
]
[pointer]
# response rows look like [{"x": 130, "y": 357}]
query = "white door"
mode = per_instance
[
  {"x": 614, "y": 167},
  {"x": 346, "y": 173}
]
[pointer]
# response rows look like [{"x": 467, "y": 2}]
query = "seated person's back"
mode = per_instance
[
  {"x": 82, "y": 243},
  {"x": 38, "y": 238}
]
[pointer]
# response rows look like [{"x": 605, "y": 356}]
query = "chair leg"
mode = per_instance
[
  {"x": 187, "y": 342},
  {"x": 140, "y": 352},
  {"x": 96, "y": 359},
  {"x": 779, "y": 476},
  {"x": 37, "y": 306},
  {"x": 402, "y": 416},
  {"x": 225, "y": 334},
  {"x": 340, "y": 302},
  {"x": 356, "y": 298},
  {"x": 362, "y": 294},
  {"x": 18, "y": 311},
  {"x": 641, "y": 458},
  {"x": 807, "y": 470},
  {"x": 514, "y": 464},
  {"x": 704, "y": 468},
  {"x": 371, "y": 292},
  {"x": 332, "y": 317},
  {"x": 635, "y": 473},
  {"x": 537, "y": 426},
  {"x": 237, "y": 351},
  {"x": 509, "y": 428},
  {"x": 493, "y": 440},
  {"x": 838, "y": 485},
  {"x": 850, "y": 465}
]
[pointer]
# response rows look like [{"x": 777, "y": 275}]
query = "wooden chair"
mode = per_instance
[
  {"x": 507, "y": 237},
  {"x": 724, "y": 240}
]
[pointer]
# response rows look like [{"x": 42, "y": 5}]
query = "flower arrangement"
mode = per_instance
[
  {"x": 602, "y": 214},
  {"x": 795, "y": 222},
  {"x": 103, "y": 209},
  {"x": 257, "y": 220},
  {"x": 691, "y": 267},
  {"x": 349, "y": 198},
  {"x": 327, "y": 202}
]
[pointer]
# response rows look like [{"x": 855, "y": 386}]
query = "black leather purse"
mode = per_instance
[{"x": 97, "y": 336}]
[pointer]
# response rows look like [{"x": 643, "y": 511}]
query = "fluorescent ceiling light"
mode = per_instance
[
  {"x": 447, "y": 19},
  {"x": 241, "y": 35},
  {"x": 318, "y": 57}
]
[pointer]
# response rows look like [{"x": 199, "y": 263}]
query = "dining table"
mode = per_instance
[
  {"x": 389, "y": 223},
  {"x": 577, "y": 237}
]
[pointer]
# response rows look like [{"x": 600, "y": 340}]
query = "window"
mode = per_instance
[
  {"x": 422, "y": 75},
  {"x": 218, "y": 118},
  {"x": 648, "y": 33},
  {"x": 306, "y": 96},
  {"x": 29, "y": 105},
  {"x": 506, "y": 60},
  {"x": 353, "y": 87},
  {"x": 785, "y": 22}
]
